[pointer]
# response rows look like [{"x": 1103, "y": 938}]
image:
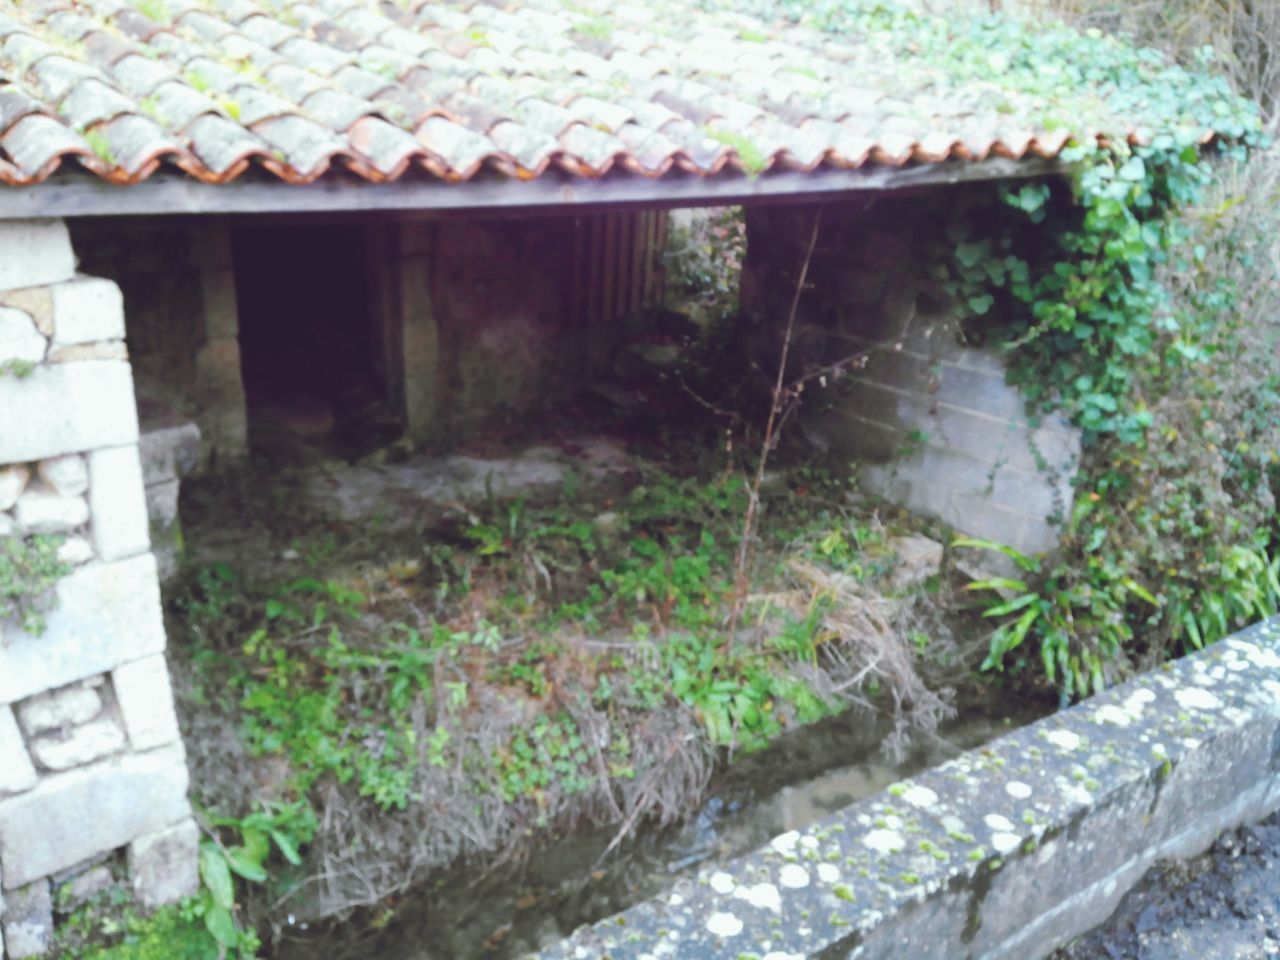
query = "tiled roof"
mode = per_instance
[{"x": 217, "y": 87}]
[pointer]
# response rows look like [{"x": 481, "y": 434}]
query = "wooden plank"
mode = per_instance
[
  {"x": 639, "y": 250},
  {"x": 84, "y": 195}
]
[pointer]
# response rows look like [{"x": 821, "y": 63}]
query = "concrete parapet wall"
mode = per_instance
[
  {"x": 91, "y": 762},
  {"x": 1005, "y": 852}
]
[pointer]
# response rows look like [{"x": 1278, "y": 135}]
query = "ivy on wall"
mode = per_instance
[{"x": 1083, "y": 281}]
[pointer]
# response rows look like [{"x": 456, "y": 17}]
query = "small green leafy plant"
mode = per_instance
[{"x": 29, "y": 570}]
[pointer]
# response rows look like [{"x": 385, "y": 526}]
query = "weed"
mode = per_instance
[{"x": 29, "y": 569}]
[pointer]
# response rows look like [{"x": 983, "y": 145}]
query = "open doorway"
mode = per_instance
[{"x": 309, "y": 335}]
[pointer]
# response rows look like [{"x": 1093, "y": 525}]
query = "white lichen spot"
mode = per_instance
[
  {"x": 884, "y": 841},
  {"x": 1064, "y": 739},
  {"x": 675, "y": 900},
  {"x": 1272, "y": 687},
  {"x": 721, "y": 882},
  {"x": 1141, "y": 695},
  {"x": 1191, "y": 743},
  {"x": 1017, "y": 789},
  {"x": 1193, "y": 698},
  {"x": 1005, "y": 842},
  {"x": 724, "y": 925},
  {"x": 998, "y": 823},
  {"x": 785, "y": 843},
  {"x": 1159, "y": 751},
  {"x": 1264, "y": 657},
  {"x": 828, "y": 872},
  {"x": 953, "y": 825},
  {"x": 794, "y": 876},
  {"x": 1047, "y": 852},
  {"x": 893, "y": 822},
  {"x": 762, "y": 896},
  {"x": 1110, "y": 713},
  {"x": 809, "y": 842},
  {"x": 779, "y": 955},
  {"x": 921, "y": 797}
]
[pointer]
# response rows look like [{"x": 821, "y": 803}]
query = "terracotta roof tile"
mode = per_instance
[{"x": 214, "y": 87}]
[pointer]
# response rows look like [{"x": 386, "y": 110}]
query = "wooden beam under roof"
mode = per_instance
[{"x": 73, "y": 195}]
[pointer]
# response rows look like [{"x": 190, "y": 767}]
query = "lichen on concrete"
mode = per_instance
[{"x": 1005, "y": 851}]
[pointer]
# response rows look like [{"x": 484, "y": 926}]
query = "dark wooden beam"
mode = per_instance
[{"x": 74, "y": 195}]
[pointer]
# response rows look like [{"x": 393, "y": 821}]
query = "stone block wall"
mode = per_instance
[
  {"x": 926, "y": 412},
  {"x": 91, "y": 762},
  {"x": 179, "y": 290}
]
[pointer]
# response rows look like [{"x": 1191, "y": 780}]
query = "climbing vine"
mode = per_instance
[{"x": 1117, "y": 310}]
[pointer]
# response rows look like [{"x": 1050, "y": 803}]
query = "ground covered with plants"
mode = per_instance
[{"x": 518, "y": 667}]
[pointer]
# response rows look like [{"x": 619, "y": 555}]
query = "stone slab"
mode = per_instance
[
  {"x": 16, "y": 771},
  {"x": 169, "y": 453},
  {"x": 70, "y": 817},
  {"x": 78, "y": 746},
  {"x": 106, "y": 614},
  {"x": 28, "y": 921},
  {"x": 145, "y": 698},
  {"x": 1005, "y": 852},
  {"x": 87, "y": 310},
  {"x": 19, "y": 339},
  {"x": 162, "y": 865},
  {"x": 117, "y": 501},
  {"x": 60, "y": 709},
  {"x": 34, "y": 253},
  {"x": 67, "y": 408}
]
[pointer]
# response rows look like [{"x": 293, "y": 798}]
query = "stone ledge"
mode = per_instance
[{"x": 1005, "y": 852}]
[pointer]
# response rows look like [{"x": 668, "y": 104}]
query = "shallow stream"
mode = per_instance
[{"x": 518, "y": 908}]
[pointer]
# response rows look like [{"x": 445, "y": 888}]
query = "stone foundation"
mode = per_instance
[{"x": 91, "y": 762}]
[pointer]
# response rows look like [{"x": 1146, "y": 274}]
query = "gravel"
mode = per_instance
[{"x": 1223, "y": 905}]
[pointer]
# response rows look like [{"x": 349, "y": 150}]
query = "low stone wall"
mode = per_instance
[
  {"x": 91, "y": 763},
  {"x": 925, "y": 412},
  {"x": 1005, "y": 852}
]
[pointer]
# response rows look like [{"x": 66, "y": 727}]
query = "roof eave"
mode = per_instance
[{"x": 84, "y": 195}]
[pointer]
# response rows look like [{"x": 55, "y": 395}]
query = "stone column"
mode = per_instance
[
  {"x": 419, "y": 329},
  {"x": 219, "y": 387},
  {"x": 91, "y": 762}
]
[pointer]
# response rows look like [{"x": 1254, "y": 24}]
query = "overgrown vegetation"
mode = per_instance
[
  {"x": 1144, "y": 317},
  {"x": 531, "y": 666}
]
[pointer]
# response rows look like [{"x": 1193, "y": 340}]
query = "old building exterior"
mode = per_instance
[{"x": 451, "y": 207}]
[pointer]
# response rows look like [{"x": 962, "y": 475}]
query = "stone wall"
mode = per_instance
[
  {"x": 500, "y": 320},
  {"x": 927, "y": 414},
  {"x": 180, "y": 303},
  {"x": 91, "y": 763}
]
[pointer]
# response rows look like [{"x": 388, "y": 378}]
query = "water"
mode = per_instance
[{"x": 517, "y": 908}]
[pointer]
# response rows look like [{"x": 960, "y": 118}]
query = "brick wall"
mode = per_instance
[
  {"x": 928, "y": 416},
  {"x": 91, "y": 762}
]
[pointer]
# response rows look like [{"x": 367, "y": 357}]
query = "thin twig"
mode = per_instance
[{"x": 749, "y": 519}]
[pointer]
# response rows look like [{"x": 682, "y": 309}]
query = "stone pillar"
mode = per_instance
[
  {"x": 91, "y": 761},
  {"x": 419, "y": 330},
  {"x": 219, "y": 386}
]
